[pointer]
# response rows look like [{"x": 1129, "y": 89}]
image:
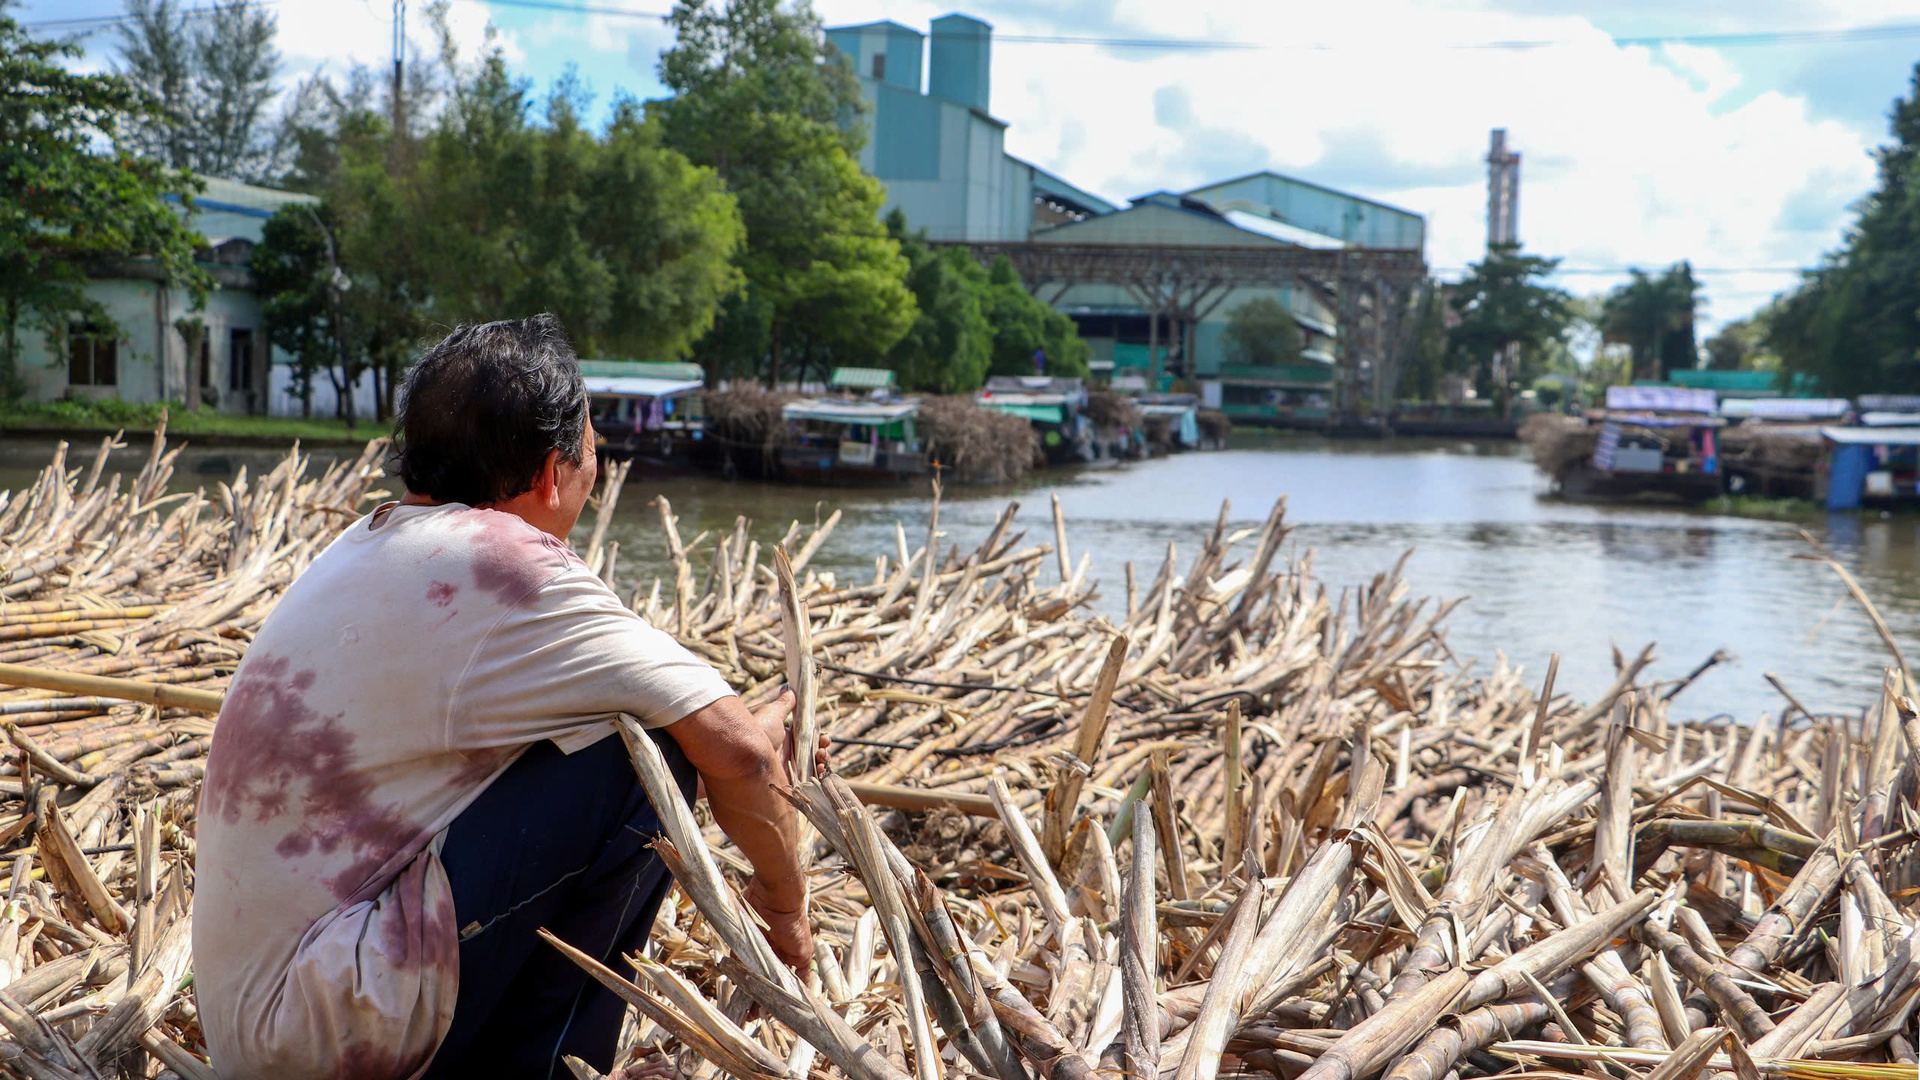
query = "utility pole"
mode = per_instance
[
  {"x": 399, "y": 70},
  {"x": 1503, "y": 234}
]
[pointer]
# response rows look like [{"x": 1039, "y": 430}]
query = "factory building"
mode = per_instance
[
  {"x": 1260, "y": 210},
  {"x": 934, "y": 142}
]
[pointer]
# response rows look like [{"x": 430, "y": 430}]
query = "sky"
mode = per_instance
[{"x": 1741, "y": 150}]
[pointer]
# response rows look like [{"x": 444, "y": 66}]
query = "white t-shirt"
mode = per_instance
[{"x": 406, "y": 668}]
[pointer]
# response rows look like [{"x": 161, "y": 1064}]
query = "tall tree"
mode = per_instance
[
  {"x": 212, "y": 80},
  {"x": 1427, "y": 351},
  {"x": 760, "y": 98},
  {"x": 1503, "y": 302},
  {"x": 1028, "y": 336},
  {"x": 628, "y": 242},
  {"x": 950, "y": 345},
  {"x": 1854, "y": 325},
  {"x": 71, "y": 201},
  {"x": 293, "y": 275},
  {"x": 1654, "y": 316},
  {"x": 1261, "y": 333}
]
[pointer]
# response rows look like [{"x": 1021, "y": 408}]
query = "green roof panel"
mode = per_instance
[
  {"x": 641, "y": 369},
  {"x": 860, "y": 378},
  {"x": 1045, "y": 414}
]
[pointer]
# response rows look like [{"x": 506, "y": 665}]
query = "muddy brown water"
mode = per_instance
[{"x": 1541, "y": 575}]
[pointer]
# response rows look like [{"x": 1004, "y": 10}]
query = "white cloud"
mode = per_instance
[
  {"x": 339, "y": 33},
  {"x": 1632, "y": 156}
]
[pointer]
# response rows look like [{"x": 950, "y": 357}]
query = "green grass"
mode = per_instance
[
  {"x": 1761, "y": 506},
  {"x": 109, "y": 415}
]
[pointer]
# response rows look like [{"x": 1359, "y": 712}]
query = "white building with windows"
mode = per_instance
[{"x": 146, "y": 361}]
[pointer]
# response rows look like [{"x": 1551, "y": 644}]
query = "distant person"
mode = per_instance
[{"x": 416, "y": 767}]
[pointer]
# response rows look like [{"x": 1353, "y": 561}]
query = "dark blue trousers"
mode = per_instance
[{"x": 559, "y": 842}]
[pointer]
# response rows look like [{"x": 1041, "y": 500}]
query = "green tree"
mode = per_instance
[
  {"x": 1504, "y": 302},
  {"x": 950, "y": 346},
  {"x": 70, "y": 201},
  {"x": 626, "y": 241},
  {"x": 1854, "y": 325},
  {"x": 1427, "y": 350},
  {"x": 1024, "y": 328},
  {"x": 293, "y": 276},
  {"x": 1654, "y": 316},
  {"x": 211, "y": 76},
  {"x": 761, "y": 98},
  {"x": 1741, "y": 345},
  {"x": 1261, "y": 333}
]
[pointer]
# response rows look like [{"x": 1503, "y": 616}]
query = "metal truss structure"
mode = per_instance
[{"x": 1374, "y": 290}]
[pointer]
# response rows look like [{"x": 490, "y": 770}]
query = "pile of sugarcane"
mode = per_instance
[
  {"x": 1255, "y": 826},
  {"x": 124, "y": 608},
  {"x": 1243, "y": 823}
]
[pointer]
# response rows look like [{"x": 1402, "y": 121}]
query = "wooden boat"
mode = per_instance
[
  {"x": 850, "y": 441},
  {"x": 1649, "y": 442},
  {"x": 1057, "y": 409},
  {"x": 648, "y": 413}
]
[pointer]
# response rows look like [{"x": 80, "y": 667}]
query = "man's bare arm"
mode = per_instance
[{"x": 741, "y": 765}]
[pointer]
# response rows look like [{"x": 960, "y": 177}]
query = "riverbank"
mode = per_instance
[
  {"x": 1247, "y": 822},
  {"x": 86, "y": 420}
]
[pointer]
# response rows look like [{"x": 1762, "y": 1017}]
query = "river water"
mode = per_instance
[{"x": 1541, "y": 576}]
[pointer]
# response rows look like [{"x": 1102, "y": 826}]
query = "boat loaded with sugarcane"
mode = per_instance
[
  {"x": 1057, "y": 409},
  {"x": 854, "y": 440},
  {"x": 650, "y": 413}
]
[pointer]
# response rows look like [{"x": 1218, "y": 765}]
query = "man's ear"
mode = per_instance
[{"x": 547, "y": 484}]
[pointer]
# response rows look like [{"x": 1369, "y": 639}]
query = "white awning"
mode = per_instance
[
  {"x": 1660, "y": 398},
  {"x": 850, "y": 412},
  {"x": 628, "y": 386},
  {"x": 1903, "y": 436},
  {"x": 1786, "y": 408}
]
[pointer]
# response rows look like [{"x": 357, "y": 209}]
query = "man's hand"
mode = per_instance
[
  {"x": 787, "y": 929},
  {"x": 774, "y": 717},
  {"x": 740, "y": 759}
]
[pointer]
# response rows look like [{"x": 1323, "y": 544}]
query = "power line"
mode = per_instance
[
  {"x": 1813, "y": 36},
  {"x": 1697, "y": 270}
]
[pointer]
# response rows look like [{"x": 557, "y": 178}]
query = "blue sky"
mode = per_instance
[{"x": 1740, "y": 157}]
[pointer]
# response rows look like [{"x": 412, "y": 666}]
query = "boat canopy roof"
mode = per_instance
[
  {"x": 861, "y": 378},
  {"x": 1661, "y": 398},
  {"x": 1880, "y": 436},
  {"x": 1649, "y": 420},
  {"x": 1167, "y": 408},
  {"x": 645, "y": 369},
  {"x": 1046, "y": 414},
  {"x": 1787, "y": 408},
  {"x": 633, "y": 386},
  {"x": 850, "y": 412}
]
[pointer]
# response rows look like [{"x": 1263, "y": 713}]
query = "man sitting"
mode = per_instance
[{"x": 416, "y": 767}]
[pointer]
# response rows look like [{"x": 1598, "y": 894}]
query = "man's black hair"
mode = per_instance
[{"x": 482, "y": 409}]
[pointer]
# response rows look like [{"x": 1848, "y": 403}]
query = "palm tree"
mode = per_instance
[{"x": 1654, "y": 317}]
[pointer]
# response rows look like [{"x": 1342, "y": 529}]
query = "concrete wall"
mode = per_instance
[
  {"x": 150, "y": 349},
  {"x": 152, "y": 362}
]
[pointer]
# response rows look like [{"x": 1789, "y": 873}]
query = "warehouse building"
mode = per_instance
[
  {"x": 935, "y": 143},
  {"x": 1260, "y": 210}
]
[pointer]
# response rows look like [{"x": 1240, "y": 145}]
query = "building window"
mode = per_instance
[
  {"x": 879, "y": 65},
  {"x": 240, "y": 360},
  {"x": 93, "y": 358}
]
